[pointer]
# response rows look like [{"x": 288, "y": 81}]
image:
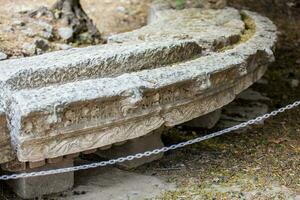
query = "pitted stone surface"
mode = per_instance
[
  {"x": 209, "y": 28},
  {"x": 6, "y": 153},
  {"x": 92, "y": 62},
  {"x": 81, "y": 99}
]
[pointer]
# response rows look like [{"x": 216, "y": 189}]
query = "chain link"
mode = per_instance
[{"x": 153, "y": 152}]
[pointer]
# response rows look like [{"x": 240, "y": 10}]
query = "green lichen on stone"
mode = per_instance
[{"x": 180, "y": 4}]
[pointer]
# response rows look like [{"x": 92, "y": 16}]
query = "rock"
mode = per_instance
[
  {"x": 28, "y": 32},
  {"x": 29, "y": 48},
  {"x": 46, "y": 35},
  {"x": 8, "y": 29},
  {"x": 262, "y": 81},
  {"x": 168, "y": 82},
  {"x": 294, "y": 83},
  {"x": 64, "y": 46},
  {"x": 33, "y": 187},
  {"x": 252, "y": 95},
  {"x": 18, "y": 23},
  {"x": 207, "y": 121},
  {"x": 234, "y": 113},
  {"x": 65, "y": 33},
  {"x": 142, "y": 144},
  {"x": 42, "y": 44},
  {"x": 3, "y": 56},
  {"x": 86, "y": 37},
  {"x": 37, "y": 47},
  {"x": 121, "y": 9},
  {"x": 47, "y": 31},
  {"x": 252, "y": 106}
]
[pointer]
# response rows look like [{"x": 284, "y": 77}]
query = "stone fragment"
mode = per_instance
[
  {"x": 6, "y": 151},
  {"x": 3, "y": 56},
  {"x": 252, "y": 95},
  {"x": 294, "y": 83},
  {"x": 73, "y": 155},
  {"x": 253, "y": 105},
  {"x": 90, "y": 151},
  {"x": 207, "y": 121},
  {"x": 131, "y": 147},
  {"x": 54, "y": 160},
  {"x": 33, "y": 165},
  {"x": 47, "y": 29},
  {"x": 64, "y": 46},
  {"x": 29, "y": 48},
  {"x": 41, "y": 44},
  {"x": 65, "y": 33},
  {"x": 18, "y": 23},
  {"x": 33, "y": 187},
  {"x": 28, "y": 32},
  {"x": 121, "y": 9},
  {"x": 67, "y": 102}
]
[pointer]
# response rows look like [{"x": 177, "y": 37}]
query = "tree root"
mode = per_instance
[{"x": 71, "y": 14}]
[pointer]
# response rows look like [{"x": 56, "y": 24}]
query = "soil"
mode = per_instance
[
  {"x": 261, "y": 162},
  {"x": 18, "y": 31}
]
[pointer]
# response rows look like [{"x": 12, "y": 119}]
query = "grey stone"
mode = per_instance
[
  {"x": 8, "y": 29},
  {"x": 131, "y": 147},
  {"x": 294, "y": 83},
  {"x": 42, "y": 44},
  {"x": 46, "y": 35},
  {"x": 64, "y": 46},
  {"x": 252, "y": 95},
  {"x": 18, "y": 23},
  {"x": 29, "y": 48},
  {"x": 3, "y": 56},
  {"x": 28, "y": 188},
  {"x": 6, "y": 152},
  {"x": 65, "y": 33},
  {"x": 28, "y": 32},
  {"x": 207, "y": 121},
  {"x": 121, "y": 9},
  {"x": 74, "y": 100},
  {"x": 254, "y": 105}
]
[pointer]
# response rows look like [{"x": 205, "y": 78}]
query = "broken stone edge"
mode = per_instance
[{"x": 148, "y": 100}]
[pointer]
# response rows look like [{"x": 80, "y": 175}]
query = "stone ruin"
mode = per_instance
[{"x": 115, "y": 98}]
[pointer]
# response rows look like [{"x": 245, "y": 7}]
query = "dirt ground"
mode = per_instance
[
  {"x": 18, "y": 31},
  {"x": 262, "y": 162}
]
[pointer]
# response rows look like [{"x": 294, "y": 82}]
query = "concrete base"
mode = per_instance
[
  {"x": 28, "y": 188},
  {"x": 207, "y": 121},
  {"x": 149, "y": 142}
]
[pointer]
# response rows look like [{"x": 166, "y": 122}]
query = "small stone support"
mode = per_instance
[
  {"x": 207, "y": 121},
  {"x": 139, "y": 145},
  {"x": 28, "y": 188}
]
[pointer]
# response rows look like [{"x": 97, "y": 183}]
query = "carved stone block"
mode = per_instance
[
  {"x": 139, "y": 145},
  {"x": 206, "y": 121},
  {"x": 29, "y": 188},
  {"x": 184, "y": 64}
]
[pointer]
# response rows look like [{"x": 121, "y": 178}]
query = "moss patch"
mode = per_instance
[{"x": 248, "y": 33}]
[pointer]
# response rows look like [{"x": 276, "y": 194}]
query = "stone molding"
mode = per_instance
[{"x": 76, "y": 100}]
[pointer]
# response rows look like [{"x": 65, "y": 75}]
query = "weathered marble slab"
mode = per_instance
[
  {"x": 76, "y": 100},
  {"x": 6, "y": 152}
]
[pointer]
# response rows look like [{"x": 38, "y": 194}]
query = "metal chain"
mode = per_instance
[{"x": 149, "y": 153}]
